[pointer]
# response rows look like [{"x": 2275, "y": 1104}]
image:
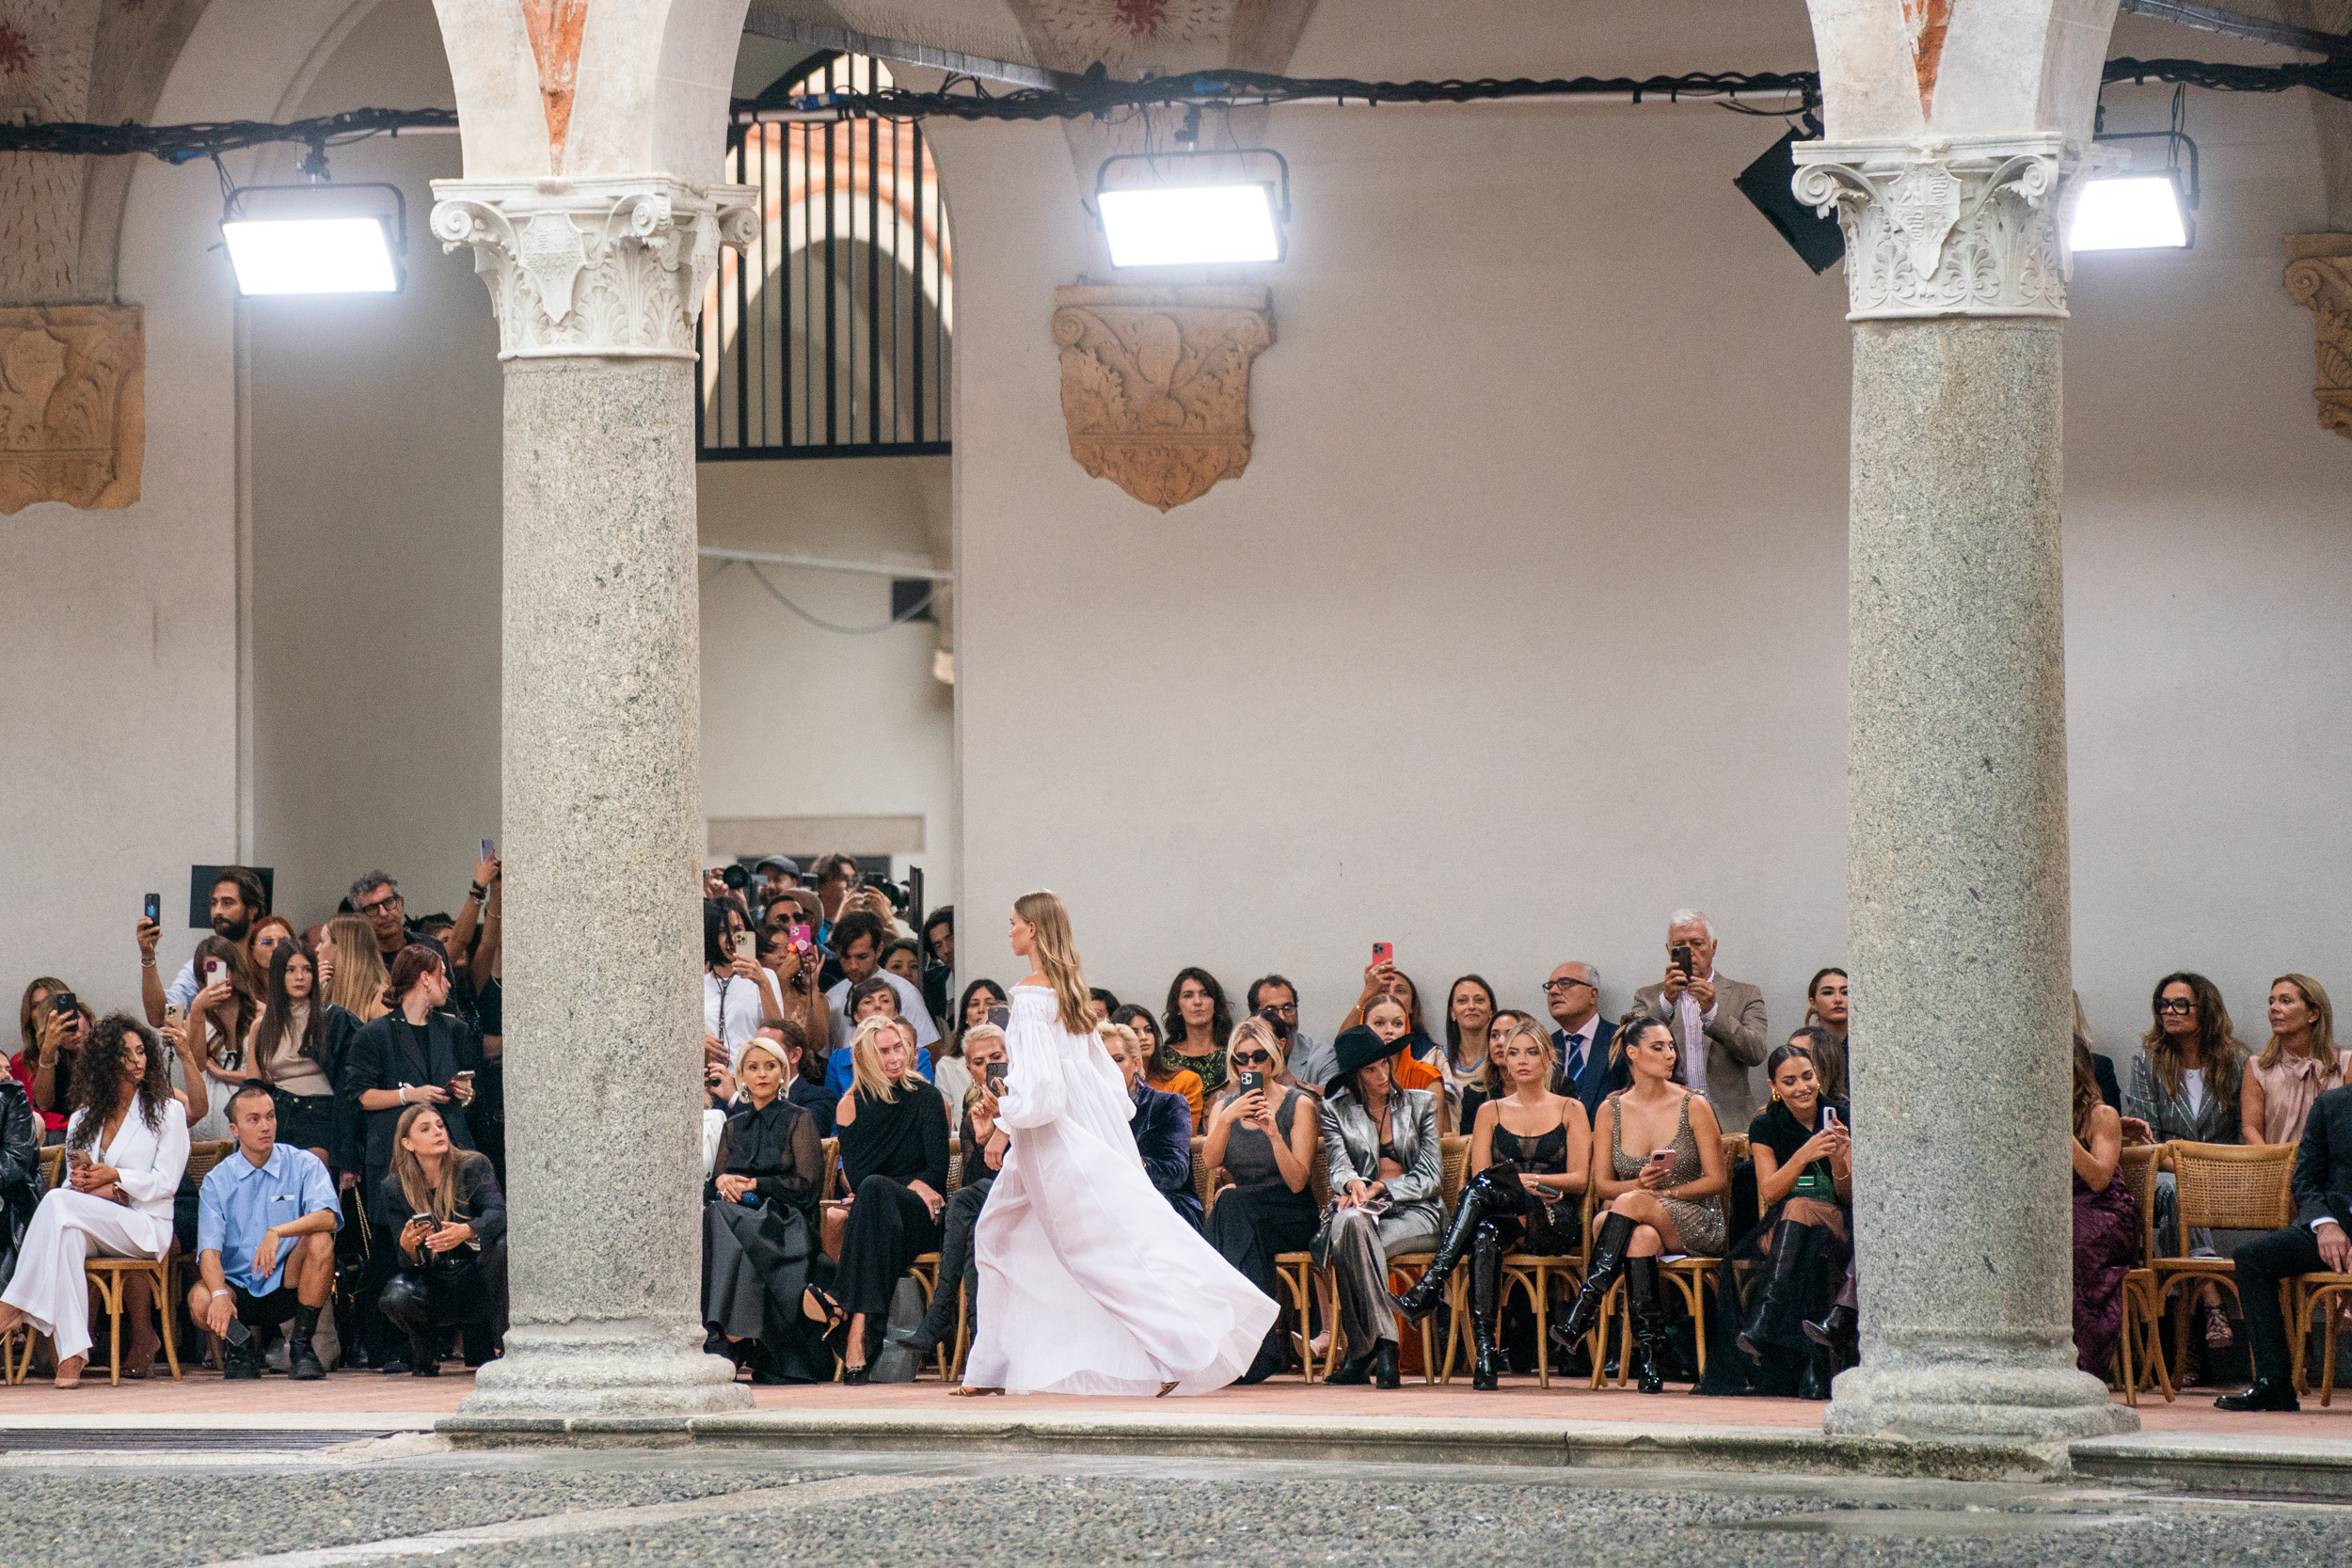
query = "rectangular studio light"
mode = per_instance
[
  {"x": 1167, "y": 226},
  {"x": 2131, "y": 212},
  {"x": 311, "y": 255}
]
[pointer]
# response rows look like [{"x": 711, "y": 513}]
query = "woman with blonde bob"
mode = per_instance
[
  {"x": 894, "y": 1149},
  {"x": 1090, "y": 1283},
  {"x": 2300, "y": 1063},
  {"x": 1264, "y": 1141}
]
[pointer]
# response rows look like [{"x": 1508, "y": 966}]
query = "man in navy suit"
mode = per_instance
[
  {"x": 1585, "y": 1071},
  {"x": 1162, "y": 1124}
]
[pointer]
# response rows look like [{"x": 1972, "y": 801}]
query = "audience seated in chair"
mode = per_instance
[
  {"x": 2317, "y": 1240},
  {"x": 983, "y": 1150},
  {"x": 759, "y": 1225},
  {"x": 126, "y": 1145},
  {"x": 1162, "y": 1122},
  {"x": 2298, "y": 1064},
  {"x": 1263, "y": 1140},
  {"x": 2184, "y": 1085},
  {"x": 1531, "y": 1154},
  {"x": 1665, "y": 1198},
  {"x": 1380, "y": 1146},
  {"x": 893, "y": 1148},
  {"x": 266, "y": 1240},
  {"x": 2107, "y": 1220}
]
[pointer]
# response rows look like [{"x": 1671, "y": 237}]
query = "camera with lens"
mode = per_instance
[
  {"x": 896, "y": 892},
  {"x": 735, "y": 877}
]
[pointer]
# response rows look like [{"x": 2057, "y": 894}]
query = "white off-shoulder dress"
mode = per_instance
[{"x": 1089, "y": 1282}]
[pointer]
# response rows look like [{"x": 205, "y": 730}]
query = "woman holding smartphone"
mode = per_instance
[
  {"x": 220, "y": 1020},
  {"x": 1664, "y": 1196},
  {"x": 949, "y": 1071},
  {"x": 442, "y": 1208},
  {"x": 1799, "y": 1250},
  {"x": 1262, "y": 1138}
]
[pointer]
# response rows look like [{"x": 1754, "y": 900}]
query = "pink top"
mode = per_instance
[{"x": 2288, "y": 1090}]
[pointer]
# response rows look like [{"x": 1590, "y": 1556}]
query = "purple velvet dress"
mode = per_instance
[{"x": 2106, "y": 1248}]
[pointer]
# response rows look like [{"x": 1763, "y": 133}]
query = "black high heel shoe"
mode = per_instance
[{"x": 1616, "y": 1232}]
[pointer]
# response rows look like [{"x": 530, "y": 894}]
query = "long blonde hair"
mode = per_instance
[
  {"x": 866, "y": 1069},
  {"x": 1057, "y": 957},
  {"x": 359, "y": 976},
  {"x": 425, "y": 1196}
]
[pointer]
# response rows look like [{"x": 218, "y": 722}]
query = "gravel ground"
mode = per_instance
[
  {"x": 132, "y": 1518},
  {"x": 1287, "y": 1524}
]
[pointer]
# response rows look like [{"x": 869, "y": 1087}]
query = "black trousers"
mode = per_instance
[
  {"x": 959, "y": 1264},
  {"x": 2260, "y": 1264},
  {"x": 889, "y": 1228}
]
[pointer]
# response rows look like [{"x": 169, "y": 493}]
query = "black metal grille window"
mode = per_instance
[{"x": 829, "y": 334}]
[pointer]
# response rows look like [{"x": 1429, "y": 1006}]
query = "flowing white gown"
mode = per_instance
[{"x": 1089, "y": 1282}]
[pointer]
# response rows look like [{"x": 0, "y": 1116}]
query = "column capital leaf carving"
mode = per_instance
[
  {"x": 1961, "y": 226},
  {"x": 609, "y": 267}
]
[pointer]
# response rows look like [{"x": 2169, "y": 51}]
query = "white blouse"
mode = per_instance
[{"x": 150, "y": 1162}]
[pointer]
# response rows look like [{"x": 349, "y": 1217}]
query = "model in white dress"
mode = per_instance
[
  {"x": 49, "y": 1290},
  {"x": 1089, "y": 1282}
]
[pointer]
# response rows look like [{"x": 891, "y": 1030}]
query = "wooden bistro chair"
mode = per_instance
[
  {"x": 202, "y": 1157},
  {"x": 925, "y": 1268},
  {"x": 2221, "y": 1187},
  {"x": 1530, "y": 1272},
  {"x": 1300, "y": 1280},
  {"x": 2139, "y": 1354},
  {"x": 2316, "y": 1297},
  {"x": 1691, "y": 1276}
]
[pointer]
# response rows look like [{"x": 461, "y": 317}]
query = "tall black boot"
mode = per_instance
[
  {"x": 1778, "y": 1299},
  {"x": 1607, "y": 1264},
  {"x": 1481, "y": 1200},
  {"x": 1839, "y": 1334},
  {"x": 302, "y": 1362},
  {"x": 1648, "y": 1324},
  {"x": 1486, "y": 1290}
]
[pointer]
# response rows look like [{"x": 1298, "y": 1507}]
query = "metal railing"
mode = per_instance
[{"x": 830, "y": 333}]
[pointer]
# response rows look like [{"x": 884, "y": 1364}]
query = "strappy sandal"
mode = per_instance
[
  {"x": 1166, "y": 1389},
  {"x": 2217, "y": 1331},
  {"x": 967, "y": 1391}
]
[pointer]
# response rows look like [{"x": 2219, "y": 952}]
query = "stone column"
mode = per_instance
[
  {"x": 1957, "y": 846},
  {"x": 597, "y": 283}
]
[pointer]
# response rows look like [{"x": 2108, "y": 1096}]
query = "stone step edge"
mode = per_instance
[{"x": 1588, "y": 1444}]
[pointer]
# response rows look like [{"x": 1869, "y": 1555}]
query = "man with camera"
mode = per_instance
[
  {"x": 237, "y": 902},
  {"x": 1718, "y": 1024},
  {"x": 266, "y": 1218}
]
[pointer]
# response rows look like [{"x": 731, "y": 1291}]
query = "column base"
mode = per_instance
[
  {"x": 622, "y": 1369},
  {"x": 1976, "y": 1399}
]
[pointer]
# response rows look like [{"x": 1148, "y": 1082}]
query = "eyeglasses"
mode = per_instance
[
  {"x": 1252, "y": 1058},
  {"x": 380, "y": 905},
  {"x": 1288, "y": 1009},
  {"x": 2176, "y": 1005},
  {"x": 1565, "y": 985}
]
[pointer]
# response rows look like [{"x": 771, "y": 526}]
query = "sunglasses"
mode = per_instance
[{"x": 1252, "y": 1058}]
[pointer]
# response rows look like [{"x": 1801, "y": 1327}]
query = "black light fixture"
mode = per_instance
[
  {"x": 2123, "y": 209},
  {"x": 316, "y": 238},
  {"x": 1765, "y": 182},
  {"x": 1193, "y": 208}
]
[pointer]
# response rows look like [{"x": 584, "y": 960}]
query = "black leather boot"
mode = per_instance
[
  {"x": 302, "y": 1362},
  {"x": 1384, "y": 1366},
  {"x": 1485, "y": 1289},
  {"x": 1839, "y": 1334},
  {"x": 1608, "y": 1262},
  {"x": 1775, "y": 1306},
  {"x": 1481, "y": 1200},
  {"x": 1648, "y": 1324}
]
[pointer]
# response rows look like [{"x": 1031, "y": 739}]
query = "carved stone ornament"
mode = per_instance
[
  {"x": 2319, "y": 278},
  {"x": 613, "y": 265},
  {"x": 73, "y": 404},
  {"x": 1155, "y": 384},
  {"x": 1955, "y": 228}
]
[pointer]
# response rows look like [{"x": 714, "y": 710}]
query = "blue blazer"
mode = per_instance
[
  {"x": 1162, "y": 1124},
  {"x": 1600, "y": 1078}
]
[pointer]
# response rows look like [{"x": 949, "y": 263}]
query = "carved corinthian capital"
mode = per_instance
[
  {"x": 613, "y": 266},
  {"x": 1958, "y": 228}
]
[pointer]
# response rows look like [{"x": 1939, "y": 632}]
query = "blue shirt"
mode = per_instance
[
  {"x": 840, "y": 1073},
  {"x": 239, "y": 1199}
]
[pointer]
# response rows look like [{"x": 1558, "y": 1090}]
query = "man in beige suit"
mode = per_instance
[{"x": 1717, "y": 1024}]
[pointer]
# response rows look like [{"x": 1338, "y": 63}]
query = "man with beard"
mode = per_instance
[{"x": 237, "y": 903}]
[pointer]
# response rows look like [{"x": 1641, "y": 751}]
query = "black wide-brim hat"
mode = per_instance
[{"x": 1357, "y": 1047}]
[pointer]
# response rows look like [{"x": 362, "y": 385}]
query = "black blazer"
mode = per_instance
[
  {"x": 1162, "y": 1125},
  {"x": 1600, "y": 1078},
  {"x": 2323, "y": 1165},
  {"x": 384, "y": 1055}
]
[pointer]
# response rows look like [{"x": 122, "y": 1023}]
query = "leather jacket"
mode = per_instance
[
  {"x": 1351, "y": 1147},
  {"x": 20, "y": 1170}
]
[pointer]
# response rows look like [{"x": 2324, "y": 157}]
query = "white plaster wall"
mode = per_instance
[
  {"x": 801, "y": 722},
  {"x": 118, "y": 631},
  {"x": 1527, "y": 622}
]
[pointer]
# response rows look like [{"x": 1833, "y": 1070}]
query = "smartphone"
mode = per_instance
[
  {"x": 747, "y": 947},
  {"x": 215, "y": 972},
  {"x": 1000, "y": 1016},
  {"x": 465, "y": 1077},
  {"x": 1829, "y": 1116},
  {"x": 236, "y": 1333},
  {"x": 1661, "y": 1159},
  {"x": 63, "y": 1002},
  {"x": 1679, "y": 955},
  {"x": 1250, "y": 1078},
  {"x": 803, "y": 937},
  {"x": 152, "y": 908},
  {"x": 1383, "y": 953},
  {"x": 996, "y": 1076},
  {"x": 490, "y": 849}
]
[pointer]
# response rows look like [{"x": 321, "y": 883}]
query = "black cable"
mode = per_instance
[{"x": 1101, "y": 96}]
